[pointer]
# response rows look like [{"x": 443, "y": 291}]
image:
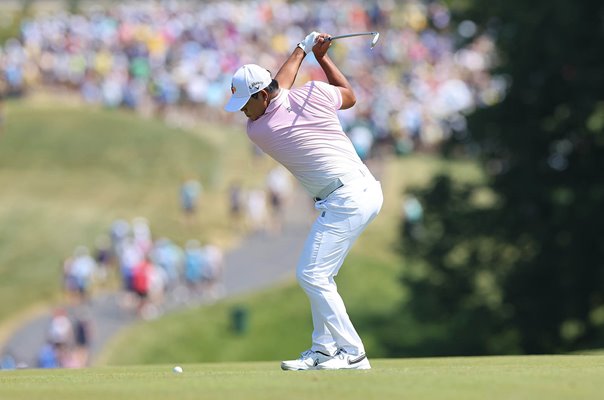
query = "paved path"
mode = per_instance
[{"x": 262, "y": 260}]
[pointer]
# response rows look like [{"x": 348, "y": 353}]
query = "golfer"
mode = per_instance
[{"x": 300, "y": 129}]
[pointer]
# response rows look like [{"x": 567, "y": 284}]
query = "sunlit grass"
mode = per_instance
[{"x": 545, "y": 377}]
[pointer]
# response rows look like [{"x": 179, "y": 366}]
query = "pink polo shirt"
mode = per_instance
[{"x": 300, "y": 129}]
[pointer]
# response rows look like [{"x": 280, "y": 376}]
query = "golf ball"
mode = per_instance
[{"x": 177, "y": 369}]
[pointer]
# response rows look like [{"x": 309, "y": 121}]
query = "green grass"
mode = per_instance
[
  {"x": 279, "y": 319},
  {"x": 67, "y": 171},
  {"x": 493, "y": 378}
]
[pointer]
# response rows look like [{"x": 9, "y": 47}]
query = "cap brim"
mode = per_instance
[{"x": 236, "y": 103}]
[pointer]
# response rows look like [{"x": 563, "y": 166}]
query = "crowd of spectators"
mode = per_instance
[
  {"x": 149, "y": 271},
  {"x": 414, "y": 87}
]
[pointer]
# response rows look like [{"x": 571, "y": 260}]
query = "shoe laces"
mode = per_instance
[{"x": 341, "y": 354}]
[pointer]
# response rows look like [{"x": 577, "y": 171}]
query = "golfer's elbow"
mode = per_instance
[{"x": 348, "y": 99}]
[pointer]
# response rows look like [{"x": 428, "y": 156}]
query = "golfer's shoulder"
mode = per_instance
[
  {"x": 315, "y": 88},
  {"x": 318, "y": 84}
]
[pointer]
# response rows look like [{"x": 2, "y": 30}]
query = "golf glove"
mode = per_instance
[{"x": 308, "y": 42}]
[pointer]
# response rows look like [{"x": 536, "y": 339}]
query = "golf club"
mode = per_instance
[{"x": 376, "y": 36}]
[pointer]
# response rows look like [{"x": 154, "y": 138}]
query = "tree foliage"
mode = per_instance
[{"x": 524, "y": 272}]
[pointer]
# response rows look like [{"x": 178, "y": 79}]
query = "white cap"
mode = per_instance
[{"x": 247, "y": 80}]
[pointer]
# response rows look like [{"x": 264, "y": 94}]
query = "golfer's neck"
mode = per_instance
[{"x": 273, "y": 95}]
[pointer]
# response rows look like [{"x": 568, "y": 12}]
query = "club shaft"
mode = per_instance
[{"x": 352, "y": 35}]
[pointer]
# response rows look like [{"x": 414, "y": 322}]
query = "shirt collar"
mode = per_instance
[{"x": 277, "y": 101}]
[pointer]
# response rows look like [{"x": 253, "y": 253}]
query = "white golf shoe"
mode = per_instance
[
  {"x": 308, "y": 360},
  {"x": 343, "y": 360}
]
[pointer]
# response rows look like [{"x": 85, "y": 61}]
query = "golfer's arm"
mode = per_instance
[
  {"x": 336, "y": 78},
  {"x": 289, "y": 70}
]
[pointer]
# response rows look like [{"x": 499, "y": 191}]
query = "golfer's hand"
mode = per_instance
[
  {"x": 321, "y": 45},
  {"x": 308, "y": 42}
]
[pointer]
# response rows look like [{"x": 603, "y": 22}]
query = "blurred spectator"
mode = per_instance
[
  {"x": 212, "y": 275},
  {"x": 279, "y": 187},
  {"x": 119, "y": 232},
  {"x": 78, "y": 274},
  {"x": 129, "y": 258},
  {"x": 60, "y": 337},
  {"x": 196, "y": 263},
  {"x": 168, "y": 256},
  {"x": 413, "y": 214},
  {"x": 362, "y": 139},
  {"x": 141, "y": 234},
  {"x": 103, "y": 257},
  {"x": 70, "y": 283},
  {"x": 8, "y": 362},
  {"x": 236, "y": 205},
  {"x": 48, "y": 357},
  {"x": 257, "y": 210},
  {"x": 158, "y": 284},
  {"x": 82, "y": 327},
  {"x": 190, "y": 193},
  {"x": 141, "y": 282},
  {"x": 59, "y": 330}
]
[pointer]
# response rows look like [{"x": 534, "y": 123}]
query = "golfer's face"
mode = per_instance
[{"x": 255, "y": 107}]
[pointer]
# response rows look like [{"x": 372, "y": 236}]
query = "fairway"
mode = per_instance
[{"x": 536, "y": 377}]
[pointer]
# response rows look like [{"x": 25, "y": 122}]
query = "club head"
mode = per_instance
[{"x": 376, "y": 37}]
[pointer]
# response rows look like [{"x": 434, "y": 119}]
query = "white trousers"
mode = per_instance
[{"x": 343, "y": 216}]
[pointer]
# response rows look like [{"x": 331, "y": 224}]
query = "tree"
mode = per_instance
[{"x": 524, "y": 273}]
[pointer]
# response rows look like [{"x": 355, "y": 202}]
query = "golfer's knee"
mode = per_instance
[
  {"x": 302, "y": 277},
  {"x": 307, "y": 281}
]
